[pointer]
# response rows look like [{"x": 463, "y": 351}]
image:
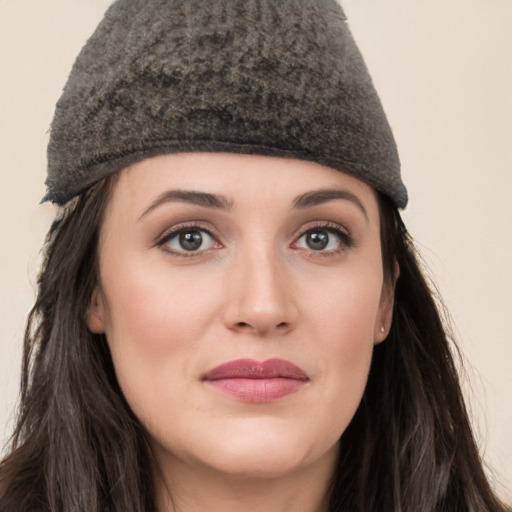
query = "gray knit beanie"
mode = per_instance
[{"x": 267, "y": 77}]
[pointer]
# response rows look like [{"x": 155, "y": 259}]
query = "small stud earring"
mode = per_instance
[{"x": 382, "y": 329}]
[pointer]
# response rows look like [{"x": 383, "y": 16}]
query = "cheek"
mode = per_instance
[
  {"x": 349, "y": 345},
  {"x": 155, "y": 322},
  {"x": 342, "y": 322},
  {"x": 152, "y": 309},
  {"x": 346, "y": 309}
]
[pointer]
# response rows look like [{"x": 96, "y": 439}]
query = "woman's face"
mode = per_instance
[{"x": 241, "y": 297}]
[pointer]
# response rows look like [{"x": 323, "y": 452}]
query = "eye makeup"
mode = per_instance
[{"x": 194, "y": 239}]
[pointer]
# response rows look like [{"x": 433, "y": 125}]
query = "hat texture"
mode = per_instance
[{"x": 269, "y": 77}]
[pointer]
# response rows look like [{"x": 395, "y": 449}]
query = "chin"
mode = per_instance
[
  {"x": 260, "y": 459},
  {"x": 261, "y": 448}
]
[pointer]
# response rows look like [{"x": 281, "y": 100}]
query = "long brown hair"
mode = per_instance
[{"x": 78, "y": 447}]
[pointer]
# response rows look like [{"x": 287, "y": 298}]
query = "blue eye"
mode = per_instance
[
  {"x": 189, "y": 240},
  {"x": 322, "y": 239}
]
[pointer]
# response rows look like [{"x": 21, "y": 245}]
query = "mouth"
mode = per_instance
[{"x": 257, "y": 382}]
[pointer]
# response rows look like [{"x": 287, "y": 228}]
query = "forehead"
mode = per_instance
[{"x": 241, "y": 180}]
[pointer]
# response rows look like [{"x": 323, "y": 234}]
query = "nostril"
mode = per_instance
[{"x": 245, "y": 326}]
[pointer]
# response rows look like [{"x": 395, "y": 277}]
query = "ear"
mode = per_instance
[
  {"x": 385, "y": 313},
  {"x": 96, "y": 312}
]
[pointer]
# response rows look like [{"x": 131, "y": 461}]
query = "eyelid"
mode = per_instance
[
  {"x": 347, "y": 240},
  {"x": 175, "y": 230}
]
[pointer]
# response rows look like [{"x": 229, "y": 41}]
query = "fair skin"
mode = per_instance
[{"x": 260, "y": 271}]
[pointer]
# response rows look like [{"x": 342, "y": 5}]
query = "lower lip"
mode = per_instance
[{"x": 257, "y": 390}]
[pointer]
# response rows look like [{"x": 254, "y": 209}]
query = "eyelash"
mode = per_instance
[
  {"x": 346, "y": 240},
  {"x": 176, "y": 231}
]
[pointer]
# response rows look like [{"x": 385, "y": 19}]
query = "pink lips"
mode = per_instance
[{"x": 252, "y": 381}]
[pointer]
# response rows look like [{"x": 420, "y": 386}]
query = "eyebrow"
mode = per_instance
[
  {"x": 221, "y": 202},
  {"x": 317, "y": 197},
  {"x": 204, "y": 199}
]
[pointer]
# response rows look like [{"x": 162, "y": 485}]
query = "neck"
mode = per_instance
[{"x": 188, "y": 487}]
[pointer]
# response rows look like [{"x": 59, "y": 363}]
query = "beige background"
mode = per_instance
[{"x": 444, "y": 71}]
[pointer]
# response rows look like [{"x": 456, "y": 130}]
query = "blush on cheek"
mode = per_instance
[
  {"x": 348, "y": 337},
  {"x": 139, "y": 317}
]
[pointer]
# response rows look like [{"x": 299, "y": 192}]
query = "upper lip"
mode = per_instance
[{"x": 251, "y": 369}]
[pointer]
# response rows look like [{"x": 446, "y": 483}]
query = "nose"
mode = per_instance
[{"x": 261, "y": 297}]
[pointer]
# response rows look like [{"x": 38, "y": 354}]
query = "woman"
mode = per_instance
[{"x": 230, "y": 313}]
